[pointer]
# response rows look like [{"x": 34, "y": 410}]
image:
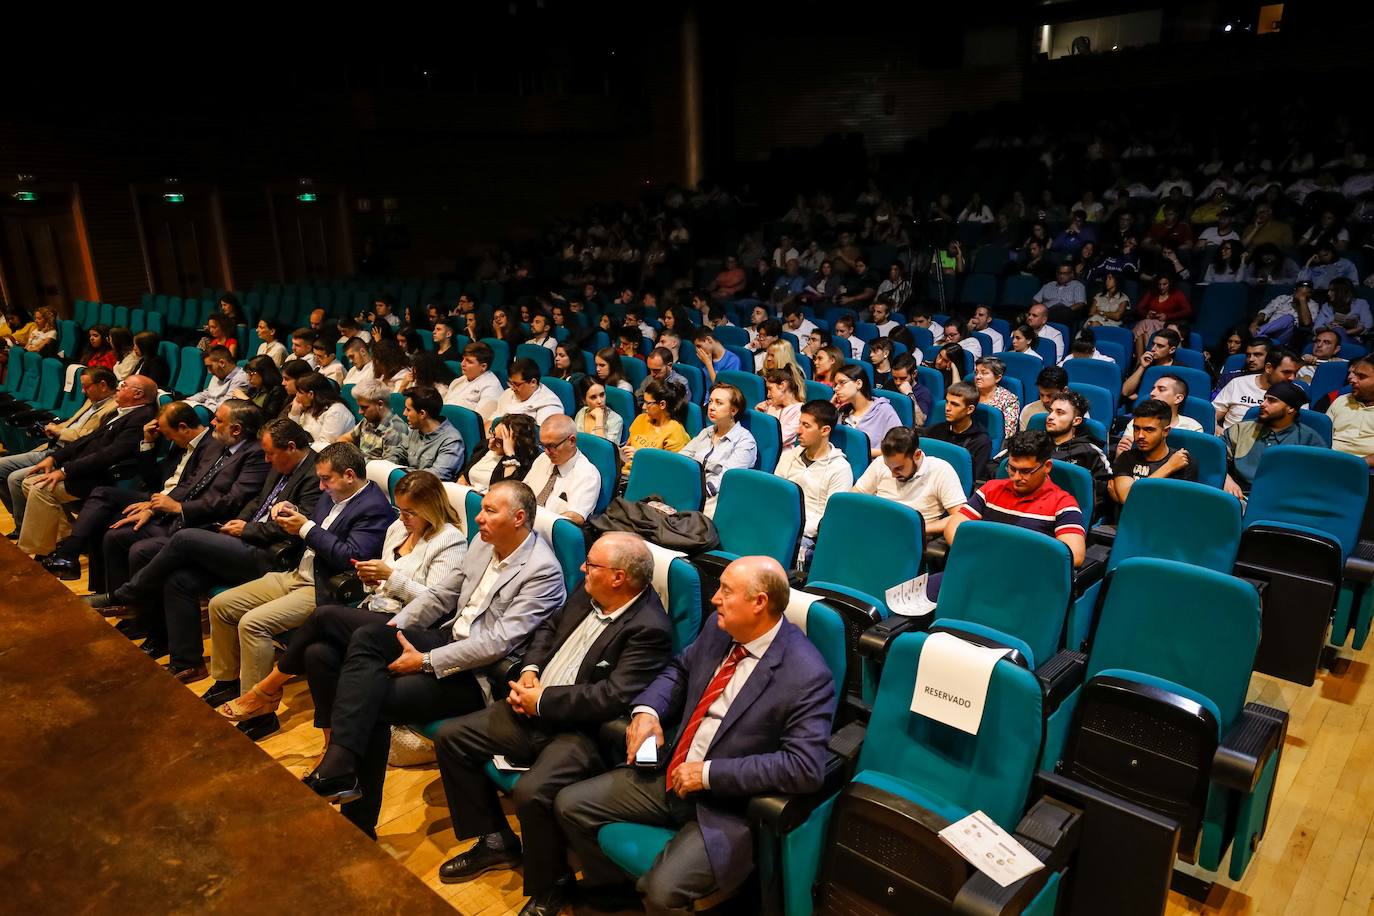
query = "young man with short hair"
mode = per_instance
[
  {"x": 360, "y": 361},
  {"x": 905, "y": 378},
  {"x": 905, "y": 474},
  {"x": 1072, "y": 444},
  {"x": 541, "y": 330},
  {"x": 1050, "y": 381},
  {"x": 1173, "y": 391},
  {"x": 1246, "y": 391},
  {"x": 478, "y": 389},
  {"x": 431, "y": 444},
  {"x": 816, "y": 466},
  {"x": 768, "y": 333},
  {"x": 325, "y": 363},
  {"x": 443, "y": 334},
  {"x": 1277, "y": 424},
  {"x": 980, "y": 322},
  {"x": 303, "y": 345},
  {"x": 958, "y": 428},
  {"x": 713, "y": 355},
  {"x": 526, "y": 394},
  {"x": 1151, "y": 455},
  {"x": 1164, "y": 345}
]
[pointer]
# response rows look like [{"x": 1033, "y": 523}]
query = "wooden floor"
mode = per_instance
[{"x": 1317, "y": 857}]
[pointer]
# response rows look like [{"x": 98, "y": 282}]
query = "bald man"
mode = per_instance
[
  {"x": 75, "y": 470},
  {"x": 583, "y": 666},
  {"x": 756, "y": 700},
  {"x": 563, "y": 479}
]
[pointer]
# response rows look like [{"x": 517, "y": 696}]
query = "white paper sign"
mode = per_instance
[
  {"x": 990, "y": 849},
  {"x": 799, "y": 607},
  {"x": 663, "y": 558},
  {"x": 952, "y": 681},
  {"x": 505, "y": 766},
  {"x": 909, "y": 598}
]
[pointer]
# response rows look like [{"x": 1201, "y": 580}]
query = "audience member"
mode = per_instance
[
  {"x": 1247, "y": 391},
  {"x": 507, "y": 454},
  {"x": 1352, "y": 419},
  {"x": 325, "y": 363},
  {"x": 431, "y": 443},
  {"x": 1164, "y": 345},
  {"x": 303, "y": 345},
  {"x": 904, "y": 377},
  {"x": 987, "y": 378},
  {"x": 319, "y": 409},
  {"x": 1073, "y": 444},
  {"x": 713, "y": 355},
  {"x": 784, "y": 401},
  {"x": 1064, "y": 297},
  {"x": 1037, "y": 319},
  {"x": 360, "y": 361},
  {"x": 724, "y": 443},
  {"x": 658, "y": 426},
  {"x": 1151, "y": 454},
  {"x": 595, "y": 416},
  {"x": 958, "y": 428},
  {"x": 904, "y": 474},
  {"x": 1049, "y": 382},
  {"x": 477, "y": 389},
  {"x": 264, "y": 389},
  {"x": 1173, "y": 391},
  {"x": 225, "y": 378},
  {"x": 380, "y": 432},
  {"x": 564, "y": 480},
  {"x": 860, "y": 409},
  {"x": 1277, "y": 424},
  {"x": 818, "y": 467}
]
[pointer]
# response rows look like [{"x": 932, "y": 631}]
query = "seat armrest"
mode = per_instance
[
  {"x": 875, "y": 641},
  {"x": 1104, "y": 535},
  {"x": 782, "y": 814},
  {"x": 847, "y": 742},
  {"x": 124, "y": 470},
  {"x": 1060, "y": 676},
  {"x": 1244, "y": 751},
  {"x": 937, "y": 552},
  {"x": 610, "y": 737},
  {"x": 1050, "y": 831},
  {"x": 1091, "y": 572},
  {"x": 1359, "y": 566},
  {"x": 1097, "y": 553}
]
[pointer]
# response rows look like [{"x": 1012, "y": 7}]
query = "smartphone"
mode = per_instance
[{"x": 646, "y": 758}]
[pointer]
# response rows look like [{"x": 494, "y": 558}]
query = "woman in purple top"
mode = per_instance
[{"x": 859, "y": 409}]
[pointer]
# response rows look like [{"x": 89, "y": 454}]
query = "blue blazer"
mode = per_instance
[
  {"x": 357, "y": 534},
  {"x": 773, "y": 737}
]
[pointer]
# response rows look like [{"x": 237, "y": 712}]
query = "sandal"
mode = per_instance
[{"x": 248, "y": 706}]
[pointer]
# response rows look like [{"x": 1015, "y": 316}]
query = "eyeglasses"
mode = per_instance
[
  {"x": 557, "y": 445},
  {"x": 590, "y": 565},
  {"x": 1014, "y": 471}
]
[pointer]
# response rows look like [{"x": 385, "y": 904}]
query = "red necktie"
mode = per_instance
[{"x": 713, "y": 692}]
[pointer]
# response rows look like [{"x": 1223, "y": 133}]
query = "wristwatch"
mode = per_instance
[{"x": 425, "y": 666}]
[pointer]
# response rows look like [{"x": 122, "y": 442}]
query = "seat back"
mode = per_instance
[
  {"x": 854, "y": 443},
  {"x": 542, "y": 356},
  {"x": 934, "y": 380},
  {"x": 49, "y": 391},
  {"x": 818, "y": 391},
  {"x": 1023, "y": 366},
  {"x": 1201, "y": 410},
  {"x": 696, "y": 381},
  {"x": 1101, "y": 373},
  {"x": 868, "y": 544},
  {"x": 563, "y": 389},
  {"x": 752, "y": 385},
  {"x": 570, "y": 548},
  {"x": 990, "y": 771},
  {"x": 469, "y": 426},
  {"x": 1329, "y": 377},
  {"x": 1030, "y": 608},
  {"x": 190, "y": 376},
  {"x": 1150, "y": 527},
  {"x": 901, "y": 403},
  {"x": 1313, "y": 489},
  {"x": 1199, "y": 382},
  {"x": 32, "y": 364},
  {"x": 957, "y": 456},
  {"x": 1203, "y": 632},
  {"x": 1206, "y": 451},
  {"x": 748, "y": 496},
  {"x": 601, "y": 453},
  {"x": 824, "y": 627},
  {"x": 767, "y": 433},
  {"x": 623, "y": 403},
  {"x": 1314, "y": 420},
  {"x": 679, "y": 480}
]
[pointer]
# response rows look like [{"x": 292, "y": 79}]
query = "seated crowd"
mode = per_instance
[{"x": 256, "y": 494}]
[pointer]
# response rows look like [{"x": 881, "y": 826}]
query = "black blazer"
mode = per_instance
[
  {"x": 630, "y": 652},
  {"x": 155, "y": 368},
  {"x": 154, "y": 471},
  {"x": 220, "y": 497},
  {"x": 88, "y": 460},
  {"x": 302, "y": 489}
]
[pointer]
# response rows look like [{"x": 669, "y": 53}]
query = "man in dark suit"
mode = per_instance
[
  {"x": 166, "y": 482},
  {"x": 410, "y": 671},
  {"x": 194, "y": 560},
  {"x": 583, "y": 666},
  {"x": 213, "y": 496},
  {"x": 75, "y": 470},
  {"x": 349, "y": 523},
  {"x": 755, "y": 700}
]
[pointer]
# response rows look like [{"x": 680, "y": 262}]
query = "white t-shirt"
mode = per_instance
[
  {"x": 480, "y": 394},
  {"x": 934, "y": 490},
  {"x": 1212, "y": 236},
  {"x": 1239, "y": 395}
]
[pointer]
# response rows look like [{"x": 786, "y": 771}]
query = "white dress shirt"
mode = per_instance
[
  {"x": 562, "y": 669},
  {"x": 715, "y": 713},
  {"x": 577, "y": 490},
  {"x": 934, "y": 490},
  {"x": 175, "y": 479},
  {"x": 306, "y": 568},
  {"x": 462, "y": 624}
]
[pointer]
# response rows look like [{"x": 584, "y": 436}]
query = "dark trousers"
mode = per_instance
[
  {"x": 100, "y": 510},
  {"x": 126, "y": 550},
  {"x": 369, "y": 700},
  {"x": 682, "y": 872},
  {"x": 557, "y": 758},
  {"x": 182, "y": 572},
  {"x": 317, "y": 650}
]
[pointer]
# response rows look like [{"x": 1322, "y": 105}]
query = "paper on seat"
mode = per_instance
[
  {"x": 799, "y": 607},
  {"x": 663, "y": 559},
  {"x": 952, "y": 681}
]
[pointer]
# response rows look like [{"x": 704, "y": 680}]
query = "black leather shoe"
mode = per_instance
[
  {"x": 221, "y": 692},
  {"x": 66, "y": 570},
  {"x": 260, "y": 727},
  {"x": 154, "y": 649},
  {"x": 187, "y": 674},
  {"x": 130, "y": 629},
  {"x": 338, "y": 790},
  {"x": 477, "y": 860},
  {"x": 548, "y": 903}
]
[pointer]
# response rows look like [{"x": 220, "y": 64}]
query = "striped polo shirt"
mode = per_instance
[{"x": 1049, "y": 510}]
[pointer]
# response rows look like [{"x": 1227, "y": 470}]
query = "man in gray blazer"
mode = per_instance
[{"x": 423, "y": 664}]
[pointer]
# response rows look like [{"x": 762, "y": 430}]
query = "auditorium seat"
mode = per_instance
[
  {"x": 469, "y": 425},
  {"x": 601, "y": 453},
  {"x": 677, "y": 479},
  {"x": 751, "y": 385},
  {"x": 623, "y": 403},
  {"x": 767, "y": 433},
  {"x": 957, "y": 456},
  {"x": 542, "y": 356},
  {"x": 563, "y": 389}
]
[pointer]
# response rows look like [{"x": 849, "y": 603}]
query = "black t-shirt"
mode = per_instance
[
  {"x": 1133, "y": 463},
  {"x": 974, "y": 439}
]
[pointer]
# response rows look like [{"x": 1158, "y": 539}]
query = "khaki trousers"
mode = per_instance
[
  {"x": 244, "y": 619},
  {"x": 45, "y": 517}
]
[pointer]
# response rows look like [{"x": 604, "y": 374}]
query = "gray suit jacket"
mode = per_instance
[{"x": 526, "y": 592}]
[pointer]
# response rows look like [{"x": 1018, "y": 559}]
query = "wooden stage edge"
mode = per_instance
[{"x": 121, "y": 792}]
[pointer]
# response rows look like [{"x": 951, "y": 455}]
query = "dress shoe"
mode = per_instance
[
  {"x": 13, "y": 535},
  {"x": 260, "y": 727},
  {"x": 187, "y": 674},
  {"x": 221, "y": 692},
  {"x": 477, "y": 860},
  {"x": 130, "y": 629},
  {"x": 111, "y": 604},
  {"x": 66, "y": 570},
  {"x": 548, "y": 903},
  {"x": 339, "y": 790},
  {"x": 153, "y": 648}
]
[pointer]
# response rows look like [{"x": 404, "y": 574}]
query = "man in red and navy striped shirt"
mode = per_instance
[{"x": 1027, "y": 498}]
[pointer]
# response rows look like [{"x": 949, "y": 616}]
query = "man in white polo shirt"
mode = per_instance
[
  {"x": 1246, "y": 391},
  {"x": 906, "y": 475}
]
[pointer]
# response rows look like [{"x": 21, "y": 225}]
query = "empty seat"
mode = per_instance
[{"x": 677, "y": 479}]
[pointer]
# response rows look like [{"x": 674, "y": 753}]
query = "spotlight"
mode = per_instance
[{"x": 1226, "y": 28}]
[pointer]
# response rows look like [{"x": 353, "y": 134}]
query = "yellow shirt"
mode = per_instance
[
  {"x": 1352, "y": 426},
  {"x": 20, "y": 335},
  {"x": 670, "y": 436}
]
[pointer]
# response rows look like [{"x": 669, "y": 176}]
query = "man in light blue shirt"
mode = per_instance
[
  {"x": 1064, "y": 296},
  {"x": 1324, "y": 266}
]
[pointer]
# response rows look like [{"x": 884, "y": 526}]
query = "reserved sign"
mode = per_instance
[{"x": 952, "y": 681}]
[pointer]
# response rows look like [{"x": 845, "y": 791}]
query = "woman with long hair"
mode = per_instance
[
  {"x": 126, "y": 357},
  {"x": 391, "y": 366},
  {"x": 827, "y": 362},
  {"x": 319, "y": 409},
  {"x": 1024, "y": 339},
  {"x": 723, "y": 444},
  {"x": 150, "y": 364},
  {"x": 659, "y": 425},
  {"x": 264, "y": 386},
  {"x": 220, "y": 332},
  {"x": 431, "y": 371},
  {"x": 610, "y": 371},
  {"x": 506, "y": 455},
  {"x": 505, "y": 325},
  {"x": 784, "y": 401},
  {"x": 291, "y": 373},
  {"x": 860, "y": 409},
  {"x": 568, "y": 362},
  {"x": 421, "y": 559},
  {"x": 595, "y": 416},
  {"x": 1226, "y": 264},
  {"x": 98, "y": 351},
  {"x": 780, "y": 355}
]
